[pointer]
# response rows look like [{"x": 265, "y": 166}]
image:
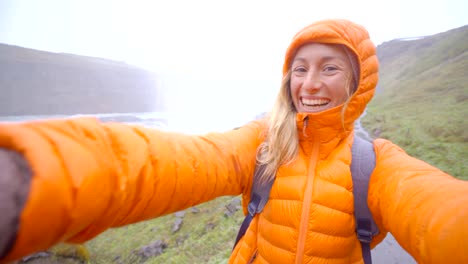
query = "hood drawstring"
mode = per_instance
[{"x": 304, "y": 127}]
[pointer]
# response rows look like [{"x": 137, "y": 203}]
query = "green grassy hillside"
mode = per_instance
[{"x": 422, "y": 99}]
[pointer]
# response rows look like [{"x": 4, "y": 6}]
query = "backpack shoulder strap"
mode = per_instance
[
  {"x": 362, "y": 165},
  {"x": 258, "y": 198}
]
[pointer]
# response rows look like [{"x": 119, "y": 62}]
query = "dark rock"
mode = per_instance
[
  {"x": 232, "y": 207},
  {"x": 210, "y": 226},
  {"x": 117, "y": 260},
  {"x": 194, "y": 210},
  {"x": 180, "y": 214},
  {"x": 154, "y": 249},
  {"x": 177, "y": 224},
  {"x": 42, "y": 254}
]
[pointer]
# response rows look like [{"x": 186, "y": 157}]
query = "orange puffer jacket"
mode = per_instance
[{"x": 89, "y": 176}]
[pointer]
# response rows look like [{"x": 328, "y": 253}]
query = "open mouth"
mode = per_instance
[{"x": 314, "y": 104}]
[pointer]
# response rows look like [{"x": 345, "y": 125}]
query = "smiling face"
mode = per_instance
[{"x": 320, "y": 77}]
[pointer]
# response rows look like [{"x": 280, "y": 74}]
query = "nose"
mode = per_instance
[{"x": 312, "y": 82}]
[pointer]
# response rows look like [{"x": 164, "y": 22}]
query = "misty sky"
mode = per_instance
[{"x": 218, "y": 59}]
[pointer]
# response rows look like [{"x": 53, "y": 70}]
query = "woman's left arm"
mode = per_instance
[{"x": 424, "y": 208}]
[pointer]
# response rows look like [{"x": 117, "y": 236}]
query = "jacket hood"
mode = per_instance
[{"x": 356, "y": 38}]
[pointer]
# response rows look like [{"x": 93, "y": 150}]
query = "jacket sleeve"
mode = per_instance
[
  {"x": 89, "y": 176},
  {"x": 424, "y": 208}
]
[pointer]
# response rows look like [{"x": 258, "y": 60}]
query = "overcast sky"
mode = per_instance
[{"x": 218, "y": 58}]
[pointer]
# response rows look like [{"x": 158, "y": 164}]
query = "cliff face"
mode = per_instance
[{"x": 35, "y": 82}]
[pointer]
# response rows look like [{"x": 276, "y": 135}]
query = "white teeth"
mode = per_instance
[{"x": 314, "y": 102}]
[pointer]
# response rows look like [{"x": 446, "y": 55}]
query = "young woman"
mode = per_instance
[{"x": 70, "y": 180}]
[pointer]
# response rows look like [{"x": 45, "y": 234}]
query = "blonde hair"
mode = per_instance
[{"x": 281, "y": 145}]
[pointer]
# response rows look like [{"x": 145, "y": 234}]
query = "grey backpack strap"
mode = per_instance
[
  {"x": 362, "y": 165},
  {"x": 258, "y": 198}
]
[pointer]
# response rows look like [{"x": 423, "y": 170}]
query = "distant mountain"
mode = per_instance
[
  {"x": 34, "y": 82},
  {"x": 422, "y": 99},
  {"x": 410, "y": 62}
]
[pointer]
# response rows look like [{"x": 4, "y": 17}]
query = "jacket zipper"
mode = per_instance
[{"x": 307, "y": 202}]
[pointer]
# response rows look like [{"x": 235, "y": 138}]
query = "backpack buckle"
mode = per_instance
[
  {"x": 254, "y": 204},
  {"x": 364, "y": 235}
]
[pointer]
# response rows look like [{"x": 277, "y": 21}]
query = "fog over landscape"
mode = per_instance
[{"x": 214, "y": 60}]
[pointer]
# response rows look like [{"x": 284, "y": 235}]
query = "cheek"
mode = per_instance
[{"x": 339, "y": 91}]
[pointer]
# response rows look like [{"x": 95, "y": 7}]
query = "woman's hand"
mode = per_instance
[{"x": 15, "y": 177}]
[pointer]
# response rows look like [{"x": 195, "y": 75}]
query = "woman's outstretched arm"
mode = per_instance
[
  {"x": 424, "y": 208},
  {"x": 87, "y": 176}
]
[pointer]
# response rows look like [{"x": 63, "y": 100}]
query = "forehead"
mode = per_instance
[{"x": 320, "y": 50}]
